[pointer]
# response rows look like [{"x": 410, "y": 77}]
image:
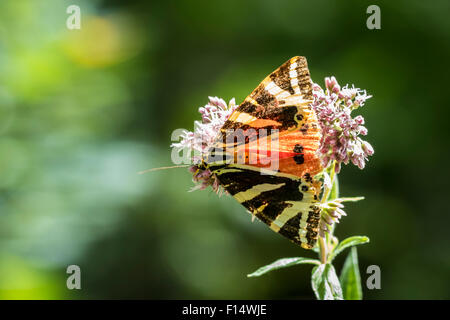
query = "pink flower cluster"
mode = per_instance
[
  {"x": 340, "y": 132},
  {"x": 214, "y": 114},
  {"x": 203, "y": 179}
]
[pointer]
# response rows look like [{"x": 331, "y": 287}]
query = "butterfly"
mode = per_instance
[{"x": 278, "y": 113}]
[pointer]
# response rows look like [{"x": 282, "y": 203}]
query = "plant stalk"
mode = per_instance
[
  {"x": 324, "y": 242},
  {"x": 323, "y": 250}
]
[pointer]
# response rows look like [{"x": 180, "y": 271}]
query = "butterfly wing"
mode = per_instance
[
  {"x": 279, "y": 105},
  {"x": 278, "y": 112},
  {"x": 281, "y": 101},
  {"x": 286, "y": 203}
]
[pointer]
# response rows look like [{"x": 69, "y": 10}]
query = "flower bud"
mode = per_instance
[{"x": 367, "y": 148}]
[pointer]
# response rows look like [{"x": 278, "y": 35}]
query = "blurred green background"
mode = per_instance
[{"x": 82, "y": 111}]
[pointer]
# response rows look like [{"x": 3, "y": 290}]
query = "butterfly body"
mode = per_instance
[{"x": 265, "y": 154}]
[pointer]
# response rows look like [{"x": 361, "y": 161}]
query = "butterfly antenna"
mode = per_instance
[{"x": 163, "y": 168}]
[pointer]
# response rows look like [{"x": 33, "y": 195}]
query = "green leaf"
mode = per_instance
[
  {"x": 334, "y": 193},
  {"x": 349, "y": 242},
  {"x": 350, "y": 278},
  {"x": 325, "y": 283},
  {"x": 351, "y": 199},
  {"x": 283, "y": 263}
]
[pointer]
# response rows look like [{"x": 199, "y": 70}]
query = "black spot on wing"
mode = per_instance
[
  {"x": 298, "y": 148},
  {"x": 299, "y": 159}
]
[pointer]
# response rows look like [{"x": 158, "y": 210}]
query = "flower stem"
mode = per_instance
[
  {"x": 323, "y": 250},
  {"x": 324, "y": 242},
  {"x": 327, "y": 191}
]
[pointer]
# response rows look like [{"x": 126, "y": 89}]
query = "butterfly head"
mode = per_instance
[{"x": 202, "y": 165}]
